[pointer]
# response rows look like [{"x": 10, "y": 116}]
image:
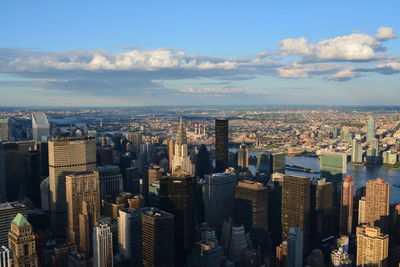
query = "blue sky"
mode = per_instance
[{"x": 90, "y": 53}]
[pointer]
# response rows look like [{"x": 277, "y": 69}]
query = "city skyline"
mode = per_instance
[{"x": 138, "y": 54}]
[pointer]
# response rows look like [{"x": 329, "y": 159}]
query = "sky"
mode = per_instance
[{"x": 139, "y": 53}]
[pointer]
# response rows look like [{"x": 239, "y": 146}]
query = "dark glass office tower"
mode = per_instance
[
  {"x": 177, "y": 196},
  {"x": 202, "y": 162},
  {"x": 221, "y": 145},
  {"x": 158, "y": 238},
  {"x": 296, "y": 206},
  {"x": 251, "y": 202}
]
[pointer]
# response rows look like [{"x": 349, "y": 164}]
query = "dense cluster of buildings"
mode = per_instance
[{"x": 86, "y": 198}]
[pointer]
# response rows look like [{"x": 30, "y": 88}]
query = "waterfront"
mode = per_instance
[{"x": 360, "y": 174}]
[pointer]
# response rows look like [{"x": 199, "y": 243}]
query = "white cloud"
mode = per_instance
[
  {"x": 385, "y": 33},
  {"x": 352, "y": 47},
  {"x": 393, "y": 64},
  {"x": 343, "y": 75},
  {"x": 297, "y": 47},
  {"x": 95, "y": 61},
  {"x": 292, "y": 73}
]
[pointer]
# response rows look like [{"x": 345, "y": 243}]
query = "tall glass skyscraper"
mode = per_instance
[
  {"x": 371, "y": 129},
  {"x": 221, "y": 145}
]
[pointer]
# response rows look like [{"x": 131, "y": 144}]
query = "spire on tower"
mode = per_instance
[{"x": 181, "y": 134}]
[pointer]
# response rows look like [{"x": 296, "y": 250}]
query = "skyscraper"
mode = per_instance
[
  {"x": 171, "y": 152},
  {"x": 221, "y": 145},
  {"x": 296, "y": 206},
  {"x": 377, "y": 204},
  {"x": 346, "y": 206},
  {"x": 130, "y": 235},
  {"x": 322, "y": 215},
  {"x": 135, "y": 139},
  {"x": 110, "y": 181},
  {"x": 235, "y": 240},
  {"x": 3, "y": 192},
  {"x": 372, "y": 246},
  {"x": 102, "y": 245},
  {"x": 333, "y": 165},
  {"x": 295, "y": 243},
  {"x": 181, "y": 161},
  {"x": 154, "y": 174},
  {"x": 371, "y": 129},
  {"x": 251, "y": 202},
  {"x": 40, "y": 126},
  {"x": 218, "y": 195},
  {"x": 158, "y": 238},
  {"x": 277, "y": 163},
  {"x": 357, "y": 152},
  {"x": 243, "y": 157},
  {"x": 67, "y": 155},
  {"x": 83, "y": 200},
  {"x": 5, "y": 130},
  {"x": 21, "y": 241},
  {"x": 177, "y": 196},
  {"x": 8, "y": 211},
  {"x": 202, "y": 162},
  {"x": 263, "y": 163}
]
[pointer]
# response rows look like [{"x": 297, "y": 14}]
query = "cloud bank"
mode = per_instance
[{"x": 137, "y": 71}]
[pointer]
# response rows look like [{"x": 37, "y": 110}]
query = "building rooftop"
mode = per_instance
[{"x": 20, "y": 220}]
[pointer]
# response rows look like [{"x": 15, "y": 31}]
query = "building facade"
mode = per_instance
[
  {"x": 218, "y": 195},
  {"x": 295, "y": 243},
  {"x": 377, "y": 204},
  {"x": 158, "y": 238},
  {"x": 221, "y": 145},
  {"x": 102, "y": 245},
  {"x": 346, "y": 207},
  {"x": 110, "y": 181},
  {"x": 8, "y": 211},
  {"x": 40, "y": 126},
  {"x": 67, "y": 155},
  {"x": 372, "y": 246},
  {"x": 296, "y": 206},
  {"x": 177, "y": 196},
  {"x": 21, "y": 241},
  {"x": 83, "y": 201},
  {"x": 251, "y": 209}
]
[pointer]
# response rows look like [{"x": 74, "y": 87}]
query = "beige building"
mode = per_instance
[
  {"x": 361, "y": 210},
  {"x": 372, "y": 246},
  {"x": 83, "y": 200},
  {"x": 377, "y": 204},
  {"x": 67, "y": 155},
  {"x": 21, "y": 241}
]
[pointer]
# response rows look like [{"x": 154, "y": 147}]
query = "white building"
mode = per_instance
[
  {"x": 102, "y": 245},
  {"x": 357, "y": 152},
  {"x": 129, "y": 236},
  {"x": 40, "y": 126},
  {"x": 389, "y": 158}
]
